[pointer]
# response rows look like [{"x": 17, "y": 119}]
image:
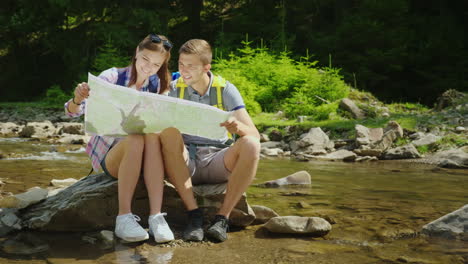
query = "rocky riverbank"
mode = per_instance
[{"x": 441, "y": 136}]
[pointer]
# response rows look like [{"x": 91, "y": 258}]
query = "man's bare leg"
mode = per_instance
[
  {"x": 242, "y": 159},
  {"x": 175, "y": 156}
]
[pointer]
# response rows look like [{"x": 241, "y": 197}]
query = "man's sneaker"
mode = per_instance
[
  {"x": 127, "y": 228},
  {"x": 194, "y": 229},
  {"x": 218, "y": 230},
  {"x": 159, "y": 228}
]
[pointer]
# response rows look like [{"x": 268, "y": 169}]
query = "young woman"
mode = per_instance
[{"x": 125, "y": 158}]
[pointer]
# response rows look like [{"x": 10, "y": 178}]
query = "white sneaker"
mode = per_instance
[
  {"x": 127, "y": 228},
  {"x": 159, "y": 228}
]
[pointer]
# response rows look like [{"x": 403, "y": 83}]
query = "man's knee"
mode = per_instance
[
  {"x": 171, "y": 141},
  {"x": 169, "y": 135},
  {"x": 250, "y": 146}
]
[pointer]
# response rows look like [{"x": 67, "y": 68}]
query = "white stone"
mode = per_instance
[
  {"x": 298, "y": 178},
  {"x": 298, "y": 225},
  {"x": 63, "y": 183},
  {"x": 271, "y": 144},
  {"x": 107, "y": 236},
  {"x": 426, "y": 140},
  {"x": 341, "y": 154}
]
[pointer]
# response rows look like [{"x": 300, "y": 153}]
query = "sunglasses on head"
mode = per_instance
[{"x": 156, "y": 39}]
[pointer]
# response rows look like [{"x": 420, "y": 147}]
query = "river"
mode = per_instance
[{"x": 378, "y": 209}]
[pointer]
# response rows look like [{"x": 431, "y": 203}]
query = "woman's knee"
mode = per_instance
[
  {"x": 135, "y": 142},
  {"x": 152, "y": 139}
]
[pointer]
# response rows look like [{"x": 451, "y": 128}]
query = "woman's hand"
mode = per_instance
[{"x": 81, "y": 92}]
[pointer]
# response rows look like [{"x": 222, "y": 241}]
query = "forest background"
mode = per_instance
[{"x": 282, "y": 54}]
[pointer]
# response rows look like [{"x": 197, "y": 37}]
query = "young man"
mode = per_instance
[{"x": 195, "y": 160}]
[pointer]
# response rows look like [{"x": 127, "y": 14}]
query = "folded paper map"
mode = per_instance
[{"x": 113, "y": 110}]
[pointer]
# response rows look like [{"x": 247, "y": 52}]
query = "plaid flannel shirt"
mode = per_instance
[{"x": 98, "y": 146}]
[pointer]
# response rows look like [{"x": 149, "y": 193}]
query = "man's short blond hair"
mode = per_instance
[{"x": 198, "y": 47}]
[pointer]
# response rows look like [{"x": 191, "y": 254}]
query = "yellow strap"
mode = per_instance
[
  {"x": 180, "y": 83},
  {"x": 219, "y": 82},
  {"x": 182, "y": 91},
  {"x": 220, "y": 97}
]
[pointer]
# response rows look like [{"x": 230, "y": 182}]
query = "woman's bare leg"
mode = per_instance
[
  {"x": 124, "y": 162},
  {"x": 153, "y": 171}
]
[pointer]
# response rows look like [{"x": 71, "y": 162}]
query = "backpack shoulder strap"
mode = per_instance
[
  {"x": 181, "y": 89},
  {"x": 216, "y": 95},
  {"x": 122, "y": 76},
  {"x": 153, "y": 84}
]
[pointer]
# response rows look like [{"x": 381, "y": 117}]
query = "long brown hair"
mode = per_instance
[{"x": 163, "y": 72}]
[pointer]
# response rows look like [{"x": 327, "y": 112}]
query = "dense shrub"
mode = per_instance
[{"x": 270, "y": 82}]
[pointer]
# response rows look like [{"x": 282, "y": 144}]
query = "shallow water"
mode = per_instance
[{"x": 378, "y": 207}]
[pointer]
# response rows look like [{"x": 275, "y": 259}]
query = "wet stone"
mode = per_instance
[
  {"x": 263, "y": 214},
  {"x": 298, "y": 178},
  {"x": 24, "y": 244},
  {"x": 314, "y": 226}
]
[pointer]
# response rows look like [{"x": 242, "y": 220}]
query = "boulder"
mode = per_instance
[
  {"x": 39, "y": 129},
  {"x": 340, "y": 155},
  {"x": 9, "y": 221},
  {"x": 9, "y": 129},
  {"x": 392, "y": 131},
  {"x": 314, "y": 226},
  {"x": 264, "y": 138},
  {"x": 272, "y": 151},
  {"x": 26, "y": 132},
  {"x": 92, "y": 203},
  {"x": 367, "y": 151},
  {"x": 263, "y": 214},
  {"x": 275, "y": 135},
  {"x": 425, "y": 140},
  {"x": 71, "y": 128},
  {"x": 317, "y": 138},
  {"x": 404, "y": 152},
  {"x": 22, "y": 200},
  {"x": 298, "y": 178},
  {"x": 449, "y": 98},
  {"x": 453, "y": 225},
  {"x": 455, "y": 159},
  {"x": 271, "y": 144},
  {"x": 374, "y": 141},
  {"x": 348, "y": 105},
  {"x": 368, "y": 136}
]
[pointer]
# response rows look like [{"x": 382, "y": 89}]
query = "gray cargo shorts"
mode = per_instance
[{"x": 208, "y": 166}]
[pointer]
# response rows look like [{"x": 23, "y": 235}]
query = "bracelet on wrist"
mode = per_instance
[{"x": 73, "y": 100}]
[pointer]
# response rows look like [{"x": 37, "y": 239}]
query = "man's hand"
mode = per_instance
[{"x": 232, "y": 125}]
